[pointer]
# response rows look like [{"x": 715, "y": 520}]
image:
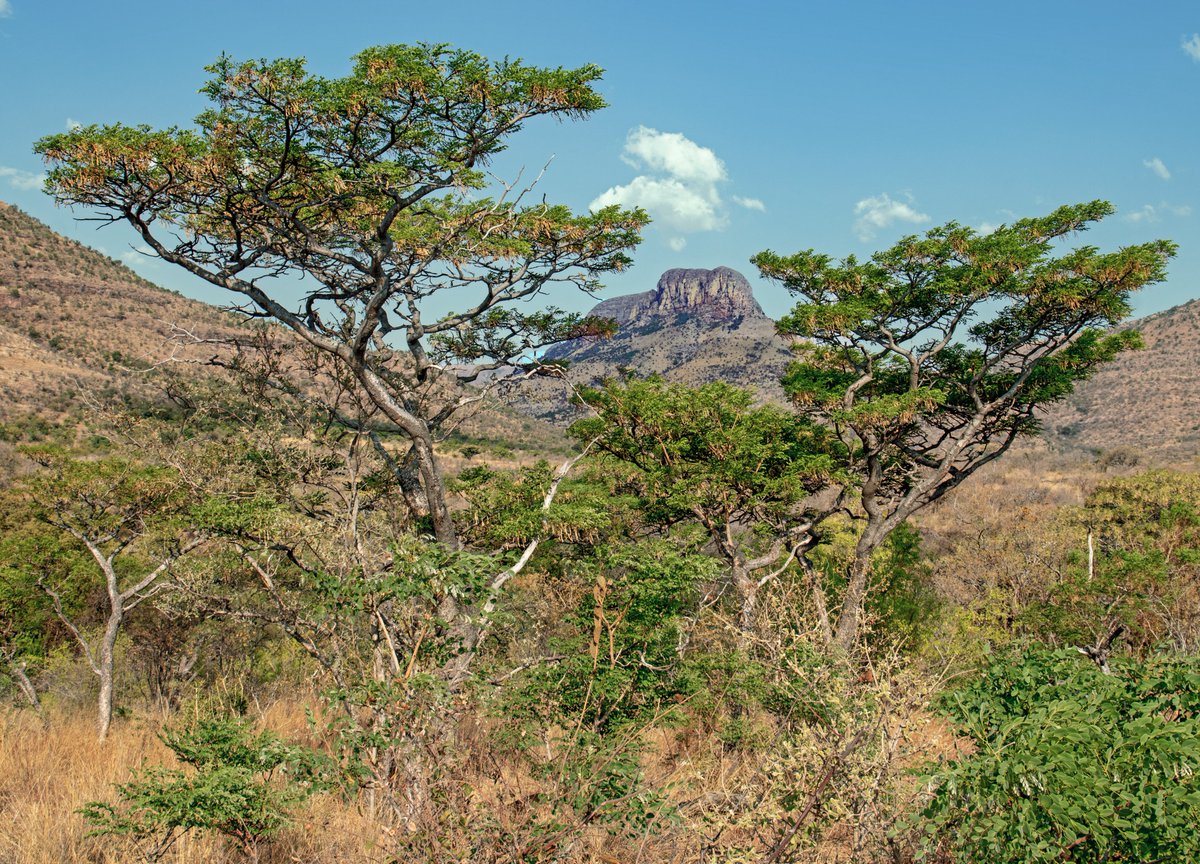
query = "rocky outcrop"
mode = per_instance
[
  {"x": 696, "y": 326},
  {"x": 720, "y": 297}
]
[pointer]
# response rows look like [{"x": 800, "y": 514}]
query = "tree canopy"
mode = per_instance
[
  {"x": 743, "y": 472},
  {"x": 366, "y": 194},
  {"x": 932, "y": 357}
]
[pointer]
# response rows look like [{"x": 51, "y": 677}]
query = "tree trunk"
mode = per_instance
[
  {"x": 27, "y": 689},
  {"x": 818, "y": 592},
  {"x": 435, "y": 493},
  {"x": 850, "y": 618},
  {"x": 418, "y": 432},
  {"x": 747, "y": 593},
  {"x": 106, "y": 664},
  {"x": 407, "y": 474}
]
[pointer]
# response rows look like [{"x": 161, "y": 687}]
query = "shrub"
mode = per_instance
[
  {"x": 1070, "y": 764},
  {"x": 237, "y": 783}
]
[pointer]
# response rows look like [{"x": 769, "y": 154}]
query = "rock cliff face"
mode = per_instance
[
  {"x": 696, "y": 326},
  {"x": 717, "y": 297}
]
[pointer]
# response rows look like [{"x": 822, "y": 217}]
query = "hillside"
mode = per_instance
[
  {"x": 75, "y": 322},
  {"x": 1146, "y": 400},
  {"x": 78, "y": 327}
]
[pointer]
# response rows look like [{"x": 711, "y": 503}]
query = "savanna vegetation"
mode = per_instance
[{"x": 301, "y": 617}]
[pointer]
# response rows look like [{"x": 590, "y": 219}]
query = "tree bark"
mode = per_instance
[
  {"x": 818, "y": 592},
  {"x": 850, "y": 618},
  {"x": 105, "y": 668},
  {"x": 17, "y": 668},
  {"x": 435, "y": 492},
  {"x": 407, "y": 475},
  {"x": 747, "y": 592}
]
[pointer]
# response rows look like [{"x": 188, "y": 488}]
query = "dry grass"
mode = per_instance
[
  {"x": 46, "y": 775},
  {"x": 727, "y": 798}
]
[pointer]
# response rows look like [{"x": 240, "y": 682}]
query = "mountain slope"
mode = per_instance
[
  {"x": 78, "y": 327},
  {"x": 1148, "y": 400},
  {"x": 74, "y": 322}
]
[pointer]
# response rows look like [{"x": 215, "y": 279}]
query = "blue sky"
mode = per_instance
[{"x": 833, "y": 126}]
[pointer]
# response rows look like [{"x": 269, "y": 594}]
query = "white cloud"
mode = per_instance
[
  {"x": 672, "y": 153},
  {"x": 1156, "y": 165},
  {"x": 750, "y": 203},
  {"x": 1191, "y": 46},
  {"x": 671, "y": 202},
  {"x": 985, "y": 228},
  {"x": 1155, "y": 212},
  {"x": 5, "y": 9},
  {"x": 679, "y": 186},
  {"x": 880, "y": 212},
  {"x": 21, "y": 179},
  {"x": 73, "y": 124}
]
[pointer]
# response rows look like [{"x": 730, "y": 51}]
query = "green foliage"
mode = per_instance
[
  {"x": 29, "y": 553},
  {"x": 707, "y": 450},
  {"x": 367, "y": 190},
  {"x": 932, "y": 353},
  {"x": 605, "y": 783},
  {"x": 1158, "y": 509},
  {"x": 126, "y": 509},
  {"x": 505, "y": 507},
  {"x": 1070, "y": 764},
  {"x": 1146, "y": 573},
  {"x": 30, "y": 429},
  {"x": 620, "y": 659},
  {"x": 931, "y": 358},
  {"x": 115, "y": 500},
  {"x": 376, "y": 169},
  {"x": 237, "y": 783},
  {"x": 902, "y": 603}
]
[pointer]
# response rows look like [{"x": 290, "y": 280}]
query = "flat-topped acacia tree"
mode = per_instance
[
  {"x": 340, "y": 207},
  {"x": 931, "y": 358}
]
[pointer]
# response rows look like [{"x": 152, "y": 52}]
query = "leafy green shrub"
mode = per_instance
[
  {"x": 239, "y": 784},
  {"x": 1070, "y": 764},
  {"x": 902, "y": 602}
]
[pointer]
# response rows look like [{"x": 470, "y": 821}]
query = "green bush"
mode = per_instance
[
  {"x": 619, "y": 658},
  {"x": 237, "y": 783},
  {"x": 1070, "y": 764}
]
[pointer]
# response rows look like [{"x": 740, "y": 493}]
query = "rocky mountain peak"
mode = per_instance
[
  {"x": 715, "y": 295},
  {"x": 696, "y": 326},
  {"x": 719, "y": 296}
]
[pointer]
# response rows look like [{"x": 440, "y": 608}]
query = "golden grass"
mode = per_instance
[
  {"x": 726, "y": 798},
  {"x": 46, "y": 775}
]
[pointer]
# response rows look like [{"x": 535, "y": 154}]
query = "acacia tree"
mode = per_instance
[
  {"x": 931, "y": 358},
  {"x": 708, "y": 455},
  {"x": 361, "y": 195}
]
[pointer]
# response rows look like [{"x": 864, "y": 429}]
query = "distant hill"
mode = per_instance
[
  {"x": 694, "y": 327},
  {"x": 1147, "y": 400},
  {"x": 77, "y": 326},
  {"x": 75, "y": 322}
]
